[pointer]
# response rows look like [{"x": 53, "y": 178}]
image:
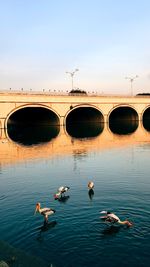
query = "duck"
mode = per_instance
[
  {"x": 91, "y": 191},
  {"x": 90, "y": 185},
  {"x": 113, "y": 218},
  {"x": 44, "y": 211},
  {"x": 61, "y": 192}
]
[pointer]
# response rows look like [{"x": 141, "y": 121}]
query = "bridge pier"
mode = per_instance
[
  {"x": 3, "y": 134},
  {"x": 2, "y": 129},
  {"x": 105, "y": 118},
  {"x": 61, "y": 121},
  {"x": 2, "y": 123}
]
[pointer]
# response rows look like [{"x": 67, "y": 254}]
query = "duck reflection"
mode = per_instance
[
  {"x": 63, "y": 199},
  {"x": 91, "y": 194},
  {"x": 111, "y": 230},
  {"x": 44, "y": 228},
  {"x": 47, "y": 226}
]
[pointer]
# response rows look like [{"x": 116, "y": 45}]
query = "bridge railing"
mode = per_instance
[{"x": 50, "y": 92}]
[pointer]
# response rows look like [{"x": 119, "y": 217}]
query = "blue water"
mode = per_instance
[{"x": 79, "y": 238}]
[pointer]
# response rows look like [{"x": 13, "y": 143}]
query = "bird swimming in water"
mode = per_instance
[
  {"x": 91, "y": 191},
  {"x": 61, "y": 192},
  {"x": 112, "y": 218},
  {"x": 44, "y": 211},
  {"x": 90, "y": 185}
]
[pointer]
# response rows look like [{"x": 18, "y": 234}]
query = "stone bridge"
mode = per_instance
[{"x": 63, "y": 109}]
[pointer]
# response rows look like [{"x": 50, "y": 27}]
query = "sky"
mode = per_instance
[{"x": 107, "y": 40}]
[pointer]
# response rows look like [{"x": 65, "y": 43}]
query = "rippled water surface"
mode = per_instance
[{"x": 118, "y": 165}]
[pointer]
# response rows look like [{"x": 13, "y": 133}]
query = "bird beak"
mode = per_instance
[{"x": 35, "y": 211}]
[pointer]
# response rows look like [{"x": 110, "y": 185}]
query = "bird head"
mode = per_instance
[
  {"x": 37, "y": 207},
  {"x": 129, "y": 224},
  {"x": 90, "y": 185}
]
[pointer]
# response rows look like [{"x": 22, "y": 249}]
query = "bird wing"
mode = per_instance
[
  {"x": 44, "y": 209},
  {"x": 113, "y": 217},
  {"x": 61, "y": 189},
  {"x": 48, "y": 212}
]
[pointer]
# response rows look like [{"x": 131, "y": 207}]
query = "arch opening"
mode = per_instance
[
  {"x": 84, "y": 122},
  {"x": 33, "y": 125},
  {"x": 123, "y": 120},
  {"x": 146, "y": 119}
]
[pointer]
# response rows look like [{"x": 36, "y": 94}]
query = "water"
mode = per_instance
[{"x": 119, "y": 167}]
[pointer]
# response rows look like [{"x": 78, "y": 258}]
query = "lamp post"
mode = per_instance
[
  {"x": 131, "y": 79},
  {"x": 72, "y": 75}
]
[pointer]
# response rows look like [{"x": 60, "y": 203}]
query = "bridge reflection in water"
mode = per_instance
[
  {"x": 16, "y": 147},
  {"x": 29, "y": 135}
]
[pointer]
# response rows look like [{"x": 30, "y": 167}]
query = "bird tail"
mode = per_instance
[{"x": 53, "y": 210}]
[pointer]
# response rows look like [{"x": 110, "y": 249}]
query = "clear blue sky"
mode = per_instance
[{"x": 106, "y": 39}]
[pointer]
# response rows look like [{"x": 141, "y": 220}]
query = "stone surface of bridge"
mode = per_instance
[{"x": 63, "y": 105}]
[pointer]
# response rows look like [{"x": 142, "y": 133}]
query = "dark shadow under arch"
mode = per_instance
[
  {"x": 83, "y": 122},
  {"x": 123, "y": 120},
  {"x": 146, "y": 119},
  {"x": 33, "y": 125}
]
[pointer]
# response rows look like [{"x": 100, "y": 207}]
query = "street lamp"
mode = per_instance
[
  {"x": 72, "y": 75},
  {"x": 131, "y": 79}
]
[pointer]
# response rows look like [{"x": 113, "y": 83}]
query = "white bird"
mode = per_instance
[
  {"x": 90, "y": 185},
  {"x": 112, "y": 218},
  {"x": 44, "y": 211},
  {"x": 61, "y": 191}
]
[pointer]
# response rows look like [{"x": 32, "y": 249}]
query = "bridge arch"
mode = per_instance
[
  {"x": 33, "y": 111},
  {"x": 146, "y": 118},
  {"x": 32, "y": 124},
  {"x": 84, "y": 112},
  {"x": 123, "y": 119},
  {"x": 84, "y": 121}
]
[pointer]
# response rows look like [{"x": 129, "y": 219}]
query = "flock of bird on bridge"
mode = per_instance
[{"x": 60, "y": 195}]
